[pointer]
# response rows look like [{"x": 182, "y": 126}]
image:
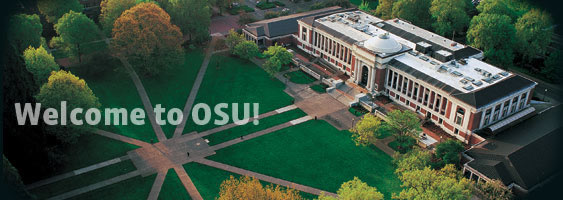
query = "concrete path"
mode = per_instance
[
  {"x": 157, "y": 185},
  {"x": 187, "y": 182},
  {"x": 75, "y": 172},
  {"x": 95, "y": 186},
  {"x": 263, "y": 177},
  {"x": 144, "y": 98},
  {"x": 195, "y": 88},
  {"x": 383, "y": 144},
  {"x": 121, "y": 138}
]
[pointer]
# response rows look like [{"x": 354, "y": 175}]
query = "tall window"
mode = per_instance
[
  {"x": 514, "y": 102},
  {"x": 505, "y": 108},
  {"x": 415, "y": 94},
  {"x": 389, "y": 78},
  {"x": 522, "y": 100},
  {"x": 487, "y": 116},
  {"x": 459, "y": 116},
  {"x": 405, "y": 85},
  {"x": 304, "y": 33},
  {"x": 495, "y": 114}
]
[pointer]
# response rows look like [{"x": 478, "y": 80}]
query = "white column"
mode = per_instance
[{"x": 372, "y": 82}]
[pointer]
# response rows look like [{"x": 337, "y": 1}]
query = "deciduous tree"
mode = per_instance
[
  {"x": 499, "y": 7},
  {"x": 111, "y": 10},
  {"x": 552, "y": 66},
  {"x": 233, "y": 38},
  {"x": 280, "y": 53},
  {"x": 145, "y": 36},
  {"x": 414, "y": 11},
  {"x": 64, "y": 86},
  {"x": 449, "y": 16},
  {"x": 246, "y": 50},
  {"x": 24, "y": 31},
  {"x": 363, "y": 132},
  {"x": 404, "y": 124},
  {"x": 192, "y": 16},
  {"x": 272, "y": 66},
  {"x": 415, "y": 159},
  {"x": 251, "y": 189},
  {"x": 533, "y": 31},
  {"x": 75, "y": 29},
  {"x": 495, "y": 35},
  {"x": 384, "y": 9},
  {"x": 449, "y": 151},
  {"x": 446, "y": 183},
  {"x": 55, "y": 9},
  {"x": 355, "y": 189},
  {"x": 495, "y": 189},
  {"x": 40, "y": 63}
]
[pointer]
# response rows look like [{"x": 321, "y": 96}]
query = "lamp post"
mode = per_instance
[{"x": 544, "y": 93}]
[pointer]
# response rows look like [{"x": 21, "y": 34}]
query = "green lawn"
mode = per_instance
[
  {"x": 233, "y": 80},
  {"x": 137, "y": 187},
  {"x": 249, "y": 128},
  {"x": 172, "y": 188},
  {"x": 208, "y": 180},
  {"x": 83, "y": 180},
  {"x": 319, "y": 88},
  {"x": 115, "y": 89},
  {"x": 299, "y": 77},
  {"x": 315, "y": 154},
  {"x": 172, "y": 87}
]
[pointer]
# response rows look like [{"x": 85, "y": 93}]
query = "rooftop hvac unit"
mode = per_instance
[
  {"x": 503, "y": 73},
  {"x": 456, "y": 73},
  {"x": 462, "y": 61},
  {"x": 468, "y": 87},
  {"x": 443, "y": 56},
  {"x": 423, "y": 47},
  {"x": 477, "y": 83}
]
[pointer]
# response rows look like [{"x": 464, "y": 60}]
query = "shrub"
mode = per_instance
[
  {"x": 265, "y": 5},
  {"x": 271, "y": 14},
  {"x": 278, "y": 3}
]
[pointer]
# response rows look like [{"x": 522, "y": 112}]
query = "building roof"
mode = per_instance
[
  {"x": 525, "y": 154},
  {"x": 284, "y": 25},
  {"x": 451, "y": 84}
]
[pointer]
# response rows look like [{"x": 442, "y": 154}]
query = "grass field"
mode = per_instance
[
  {"x": 83, "y": 180},
  {"x": 172, "y": 188},
  {"x": 314, "y": 154},
  {"x": 134, "y": 188},
  {"x": 233, "y": 80},
  {"x": 172, "y": 87},
  {"x": 232, "y": 133},
  {"x": 319, "y": 88},
  {"x": 299, "y": 77}
]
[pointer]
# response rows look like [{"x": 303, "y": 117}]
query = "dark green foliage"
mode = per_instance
[
  {"x": 24, "y": 31},
  {"x": 449, "y": 152}
]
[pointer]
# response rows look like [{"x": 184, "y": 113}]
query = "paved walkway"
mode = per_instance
[
  {"x": 195, "y": 88},
  {"x": 95, "y": 186},
  {"x": 157, "y": 185},
  {"x": 383, "y": 144},
  {"x": 187, "y": 182},
  {"x": 121, "y": 138},
  {"x": 263, "y": 177}
]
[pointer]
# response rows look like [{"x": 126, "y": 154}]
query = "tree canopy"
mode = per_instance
[
  {"x": 110, "y": 10},
  {"x": 363, "y": 132},
  {"x": 233, "y": 38},
  {"x": 495, "y": 189},
  {"x": 40, "y": 63},
  {"x": 145, "y": 36},
  {"x": 75, "y": 29},
  {"x": 426, "y": 183},
  {"x": 495, "y": 35},
  {"x": 24, "y": 31},
  {"x": 534, "y": 31},
  {"x": 355, "y": 189},
  {"x": 246, "y": 50},
  {"x": 403, "y": 123},
  {"x": 252, "y": 189},
  {"x": 449, "y": 16},
  {"x": 55, "y": 9},
  {"x": 272, "y": 66},
  {"x": 280, "y": 53},
  {"x": 499, "y": 7},
  {"x": 449, "y": 151},
  {"x": 414, "y": 11},
  {"x": 192, "y": 16},
  {"x": 64, "y": 86},
  {"x": 384, "y": 9},
  {"x": 415, "y": 159}
]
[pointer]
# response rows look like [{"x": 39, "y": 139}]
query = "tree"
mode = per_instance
[
  {"x": 499, "y": 7},
  {"x": 449, "y": 151},
  {"x": 145, "y": 36},
  {"x": 272, "y": 66},
  {"x": 384, "y": 9},
  {"x": 364, "y": 6},
  {"x": 251, "y": 189},
  {"x": 495, "y": 35},
  {"x": 75, "y": 29},
  {"x": 552, "y": 65},
  {"x": 24, "y": 31},
  {"x": 233, "y": 38},
  {"x": 416, "y": 159},
  {"x": 495, "y": 189},
  {"x": 404, "y": 124},
  {"x": 355, "y": 189},
  {"x": 64, "y": 86},
  {"x": 446, "y": 183},
  {"x": 55, "y": 9},
  {"x": 414, "y": 11},
  {"x": 245, "y": 18},
  {"x": 450, "y": 16},
  {"x": 40, "y": 63},
  {"x": 280, "y": 53},
  {"x": 246, "y": 50},
  {"x": 110, "y": 10},
  {"x": 363, "y": 132},
  {"x": 533, "y": 31},
  {"x": 192, "y": 16}
]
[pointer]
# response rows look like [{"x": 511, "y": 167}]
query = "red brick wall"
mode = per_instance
[
  {"x": 462, "y": 134},
  {"x": 423, "y": 111},
  {"x": 413, "y": 105},
  {"x": 353, "y": 62},
  {"x": 380, "y": 78},
  {"x": 474, "y": 121},
  {"x": 434, "y": 117},
  {"x": 448, "y": 126},
  {"x": 391, "y": 93},
  {"x": 474, "y": 140},
  {"x": 449, "y": 109},
  {"x": 402, "y": 99},
  {"x": 310, "y": 36}
]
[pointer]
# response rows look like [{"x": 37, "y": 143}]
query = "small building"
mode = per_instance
[{"x": 523, "y": 156}]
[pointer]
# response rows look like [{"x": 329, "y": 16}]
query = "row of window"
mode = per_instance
[
  {"x": 332, "y": 47},
  {"x": 496, "y": 110},
  {"x": 417, "y": 92}
]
